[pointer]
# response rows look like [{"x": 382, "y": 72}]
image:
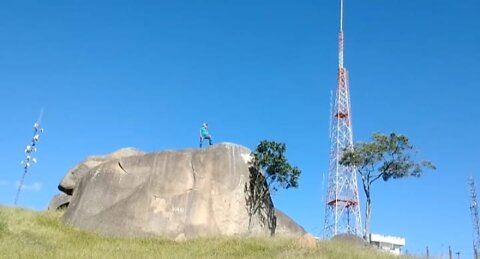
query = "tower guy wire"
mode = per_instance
[
  {"x": 342, "y": 209},
  {"x": 30, "y": 151}
]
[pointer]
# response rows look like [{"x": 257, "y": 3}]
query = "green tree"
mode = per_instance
[
  {"x": 269, "y": 156},
  {"x": 385, "y": 157},
  {"x": 269, "y": 170}
]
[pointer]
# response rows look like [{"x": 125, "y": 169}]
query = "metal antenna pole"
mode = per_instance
[
  {"x": 341, "y": 15},
  {"x": 342, "y": 210},
  {"x": 340, "y": 38},
  {"x": 475, "y": 218},
  {"x": 40, "y": 116},
  {"x": 30, "y": 150}
]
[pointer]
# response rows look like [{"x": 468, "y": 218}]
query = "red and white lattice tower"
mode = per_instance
[{"x": 342, "y": 210}]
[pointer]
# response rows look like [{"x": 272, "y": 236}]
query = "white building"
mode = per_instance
[{"x": 388, "y": 243}]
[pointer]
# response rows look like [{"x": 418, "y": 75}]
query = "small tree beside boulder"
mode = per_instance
[{"x": 269, "y": 170}]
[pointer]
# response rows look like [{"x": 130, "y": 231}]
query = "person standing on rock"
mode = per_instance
[{"x": 204, "y": 134}]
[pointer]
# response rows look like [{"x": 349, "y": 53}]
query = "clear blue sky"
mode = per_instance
[{"x": 146, "y": 74}]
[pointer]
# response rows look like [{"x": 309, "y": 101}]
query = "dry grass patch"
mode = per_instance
[{"x": 31, "y": 234}]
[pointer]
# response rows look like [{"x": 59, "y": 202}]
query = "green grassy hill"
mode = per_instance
[{"x": 30, "y": 234}]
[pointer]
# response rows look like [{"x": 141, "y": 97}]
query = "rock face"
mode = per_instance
[
  {"x": 174, "y": 194},
  {"x": 286, "y": 226},
  {"x": 59, "y": 202},
  {"x": 75, "y": 174}
]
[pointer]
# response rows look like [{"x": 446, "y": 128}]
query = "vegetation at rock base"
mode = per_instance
[{"x": 32, "y": 234}]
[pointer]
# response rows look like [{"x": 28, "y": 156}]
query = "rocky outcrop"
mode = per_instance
[
  {"x": 74, "y": 175},
  {"x": 174, "y": 194},
  {"x": 59, "y": 202},
  {"x": 286, "y": 226}
]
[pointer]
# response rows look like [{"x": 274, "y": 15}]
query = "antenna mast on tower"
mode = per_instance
[
  {"x": 475, "y": 219},
  {"x": 30, "y": 151},
  {"x": 342, "y": 210}
]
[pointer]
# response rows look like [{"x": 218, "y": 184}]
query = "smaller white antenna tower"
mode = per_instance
[
  {"x": 475, "y": 219},
  {"x": 30, "y": 151}
]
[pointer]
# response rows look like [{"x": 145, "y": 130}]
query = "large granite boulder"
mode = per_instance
[
  {"x": 173, "y": 194},
  {"x": 73, "y": 176}
]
